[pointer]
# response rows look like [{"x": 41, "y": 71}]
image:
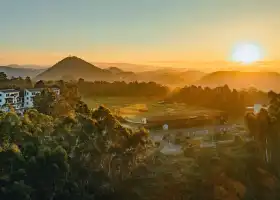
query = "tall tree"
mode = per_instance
[
  {"x": 40, "y": 84},
  {"x": 45, "y": 101},
  {"x": 28, "y": 82},
  {"x": 3, "y": 76}
]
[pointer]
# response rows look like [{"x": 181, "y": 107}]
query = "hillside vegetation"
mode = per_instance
[{"x": 63, "y": 150}]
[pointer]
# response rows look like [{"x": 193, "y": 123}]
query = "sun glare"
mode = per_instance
[{"x": 247, "y": 53}]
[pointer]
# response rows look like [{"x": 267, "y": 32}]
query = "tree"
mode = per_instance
[
  {"x": 81, "y": 107},
  {"x": 28, "y": 82},
  {"x": 252, "y": 124},
  {"x": 71, "y": 94},
  {"x": 62, "y": 108},
  {"x": 3, "y": 76},
  {"x": 40, "y": 84},
  {"x": 45, "y": 101},
  {"x": 81, "y": 81},
  {"x": 37, "y": 166}
]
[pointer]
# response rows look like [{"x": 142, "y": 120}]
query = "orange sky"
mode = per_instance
[
  {"x": 139, "y": 57},
  {"x": 134, "y": 31}
]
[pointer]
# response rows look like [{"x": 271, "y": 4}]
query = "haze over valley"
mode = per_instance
[{"x": 74, "y": 68}]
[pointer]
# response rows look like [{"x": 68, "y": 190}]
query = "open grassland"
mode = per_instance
[{"x": 138, "y": 108}]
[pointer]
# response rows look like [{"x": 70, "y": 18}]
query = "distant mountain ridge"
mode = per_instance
[
  {"x": 236, "y": 79},
  {"x": 171, "y": 76},
  {"x": 75, "y": 68},
  {"x": 18, "y": 70},
  {"x": 27, "y": 66},
  {"x": 127, "y": 66}
]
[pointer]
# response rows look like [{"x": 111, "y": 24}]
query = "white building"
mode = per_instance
[
  {"x": 20, "y": 101},
  {"x": 29, "y": 95},
  {"x": 144, "y": 120},
  {"x": 256, "y": 108},
  {"x": 10, "y": 97},
  {"x": 165, "y": 127}
]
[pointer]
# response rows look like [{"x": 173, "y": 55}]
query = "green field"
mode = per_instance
[{"x": 137, "y": 108}]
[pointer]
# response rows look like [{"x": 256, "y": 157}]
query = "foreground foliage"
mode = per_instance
[
  {"x": 234, "y": 172},
  {"x": 71, "y": 157}
]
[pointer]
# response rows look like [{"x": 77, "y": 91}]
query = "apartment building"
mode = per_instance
[
  {"x": 20, "y": 100},
  {"x": 10, "y": 97}
]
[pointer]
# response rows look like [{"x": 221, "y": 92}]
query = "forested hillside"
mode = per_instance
[
  {"x": 63, "y": 150},
  {"x": 222, "y": 98}
]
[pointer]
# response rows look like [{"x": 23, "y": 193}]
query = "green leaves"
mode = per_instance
[
  {"x": 3, "y": 76},
  {"x": 45, "y": 101},
  {"x": 61, "y": 149}
]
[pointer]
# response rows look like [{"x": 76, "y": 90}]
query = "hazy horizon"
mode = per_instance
[{"x": 202, "y": 66}]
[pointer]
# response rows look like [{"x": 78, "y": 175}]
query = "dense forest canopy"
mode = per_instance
[
  {"x": 222, "y": 98},
  {"x": 65, "y": 152},
  {"x": 102, "y": 88}
]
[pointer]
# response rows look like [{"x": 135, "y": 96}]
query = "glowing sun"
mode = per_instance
[{"x": 247, "y": 53}]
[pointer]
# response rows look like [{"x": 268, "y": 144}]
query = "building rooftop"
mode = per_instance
[{"x": 8, "y": 90}]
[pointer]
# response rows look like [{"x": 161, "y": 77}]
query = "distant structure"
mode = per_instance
[
  {"x": 20, "y": 100},
  {"x": 165, "y": 127},
  {"x": 256, "y": 108},
  {"x": 144, "y": 120}
]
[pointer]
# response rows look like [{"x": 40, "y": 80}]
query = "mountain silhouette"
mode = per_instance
[{"x": 75, "y": 67}]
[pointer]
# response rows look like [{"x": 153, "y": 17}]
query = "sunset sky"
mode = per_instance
[{"x": 138, "y": 31}]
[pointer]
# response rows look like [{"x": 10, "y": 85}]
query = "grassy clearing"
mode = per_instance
[{"x": 137, "y": 108}]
